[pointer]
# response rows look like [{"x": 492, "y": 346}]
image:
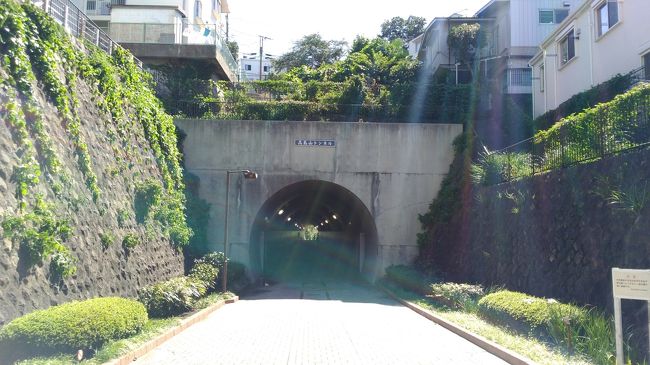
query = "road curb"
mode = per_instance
[
  {"x": 480, "y": 341},
  {"x": 170, "y": 333}
]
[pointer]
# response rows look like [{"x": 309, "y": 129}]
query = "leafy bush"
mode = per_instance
[
  {"x": 457, "y": 295},
  {"x": 524, "y": 312},
  {"x": 72, "y": 326},
  {"x": 107, "y": 239},
  {"x": 495, "y": 168},
  {"x": 172, "y": 297},
  {"x": 130, "y": 241},
  {"x": 205, "y": 273},
  {"x": 215, "y": 259},
  {"x": 409, "y": 278}
]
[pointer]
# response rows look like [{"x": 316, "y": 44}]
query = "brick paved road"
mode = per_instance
[{"x": 317, "y": 323}]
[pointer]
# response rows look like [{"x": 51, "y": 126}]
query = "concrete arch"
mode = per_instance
[{"x": 348, "y": 234}]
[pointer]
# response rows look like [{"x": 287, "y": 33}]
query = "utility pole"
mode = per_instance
[{"x": 262, "y": 38}]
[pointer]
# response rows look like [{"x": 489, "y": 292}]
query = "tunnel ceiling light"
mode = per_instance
[
  {"x": 334, "y": 216},
  {"x": 281, "y": 211},
  {"x": 321, "y": 224},
  {"x": 288, "y": 219},
  {"x": 327, "y": 222}
]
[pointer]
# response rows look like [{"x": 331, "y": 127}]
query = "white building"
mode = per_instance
[
  {"x": 414, "y": 45},
  {"x": 250, "y": 68},
  {"x": 168, "y": 31},
  {"x": 601, "y": 39},
  {"x": 519, "y": 27}
]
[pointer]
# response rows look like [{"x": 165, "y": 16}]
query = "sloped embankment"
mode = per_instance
[{"x": 91, "y": 191}]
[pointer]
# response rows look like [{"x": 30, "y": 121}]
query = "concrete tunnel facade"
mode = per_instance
[{"x": 390, "y": 172}]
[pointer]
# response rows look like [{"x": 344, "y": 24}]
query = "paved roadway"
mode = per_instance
[{"x": 317, "y": 323}]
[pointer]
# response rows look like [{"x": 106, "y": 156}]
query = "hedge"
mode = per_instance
[
  {"x": 172, "y": 297},
  {"x": 72, "y": 326},
  {"x": 524, "y": 312}
]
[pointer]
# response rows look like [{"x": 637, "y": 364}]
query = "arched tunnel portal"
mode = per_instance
[{"x": 345, "y": 246}]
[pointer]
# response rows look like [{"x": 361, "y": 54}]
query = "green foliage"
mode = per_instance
[
  {"x": 464, "y": 41},
  {"x": 601, "y": 93},
  {"x": 309, "y": 233},
  {"x": 400, "y": 28},
  {"x": 632, "y": 199},
  {"x": 205, "y": 273},
  {"x": 147, "y": 196},
  {"x": 172, "y": 297},
  {"x": 233, "y": 47},
  {"x": 495, "y": 168},
  {"x": 41, "y": 235},
  {"x": 457, "y": 295},
  {"x": 409, "y": 278},
  {"x": 216, "y": 259},
  {"x": 198, "y": 215},
  {"x": 123, "y": 217},
  {"x": 130, "y": 241},
  {"x": 72, "y": 326},
  {"x": 522, "y": 311},
  {"x": 107, "y": 239},
  {"x": 311, "y": 51}
]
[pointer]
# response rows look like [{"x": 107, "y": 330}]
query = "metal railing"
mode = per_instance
[
  {"x": 183, "y": 33},
  {"x": 620, "y": 125},
  {"x": 77, "y": 23}
]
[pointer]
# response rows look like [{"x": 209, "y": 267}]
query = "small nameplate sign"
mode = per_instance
[
  {"x": 316, "y": 143},
  {"x": 631, "y": 284}
]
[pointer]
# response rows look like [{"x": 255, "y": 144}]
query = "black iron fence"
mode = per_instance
[{"x": 609, "y": 128}]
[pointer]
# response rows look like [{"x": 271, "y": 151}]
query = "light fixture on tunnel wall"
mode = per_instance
[
  {"x": 249, "y": 175},
  {"x": 281, "y": 211},
  {"x": 327, "y": 222},
  {"x": 334, "y": 216},
  {"x": 288, "y": 219}
]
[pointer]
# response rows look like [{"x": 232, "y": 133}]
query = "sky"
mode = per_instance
[{"x": 286, "y": 21}]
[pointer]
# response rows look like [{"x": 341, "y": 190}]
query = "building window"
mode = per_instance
[
  {"x": 266, "y": 68},
  {"x": 520, "y": 77},
  {"x": 542, "y": 78},
  {"x": 552, "y": 16},
  {"x": 216, "y": 5},
  {"x": 91, "y": 5},
  {"x": 197, "y": 9},
  {"x": 248, "y": 67},
  {"x": 607, "y": 15},
  {"x": 567, "y": 47}
]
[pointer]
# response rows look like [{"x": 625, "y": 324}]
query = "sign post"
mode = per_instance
[{"x": 628, "y": 284}]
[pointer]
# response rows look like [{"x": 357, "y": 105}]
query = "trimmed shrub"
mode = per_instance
[
  {"x": 456, "y": 295},
  {"x": 172, "y": 297},
  {"x": 409, "y": 278},
  {"x": 215, "y": 259},
  {"x": 524, "y": 312},
  {"x": 205, "y": 273},
  {"x": 72, "y": 326}
]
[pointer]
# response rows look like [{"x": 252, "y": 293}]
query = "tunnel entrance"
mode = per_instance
[{"x": 313, "y": 231}]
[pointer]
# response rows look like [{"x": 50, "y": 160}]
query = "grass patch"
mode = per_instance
[{"x": 529, "y": 347}]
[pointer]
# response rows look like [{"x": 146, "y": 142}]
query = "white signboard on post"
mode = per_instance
[{"x": 628, "y": 284}]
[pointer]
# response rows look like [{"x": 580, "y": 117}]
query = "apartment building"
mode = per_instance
[{"x": 601, "y": 39}]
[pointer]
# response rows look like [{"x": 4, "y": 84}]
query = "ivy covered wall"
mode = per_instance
[{"x": 91, "y": 188}]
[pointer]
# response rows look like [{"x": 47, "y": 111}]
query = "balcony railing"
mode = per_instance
[
  {"x": 101, "y": 7},
  {"x": 181, "y": 33},
  {"x": 75, "y": 22}
]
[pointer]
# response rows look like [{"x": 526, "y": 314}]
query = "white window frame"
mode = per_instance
[
  {"x": 597, "y": 16},
  {"x": 542, "y": 78},
  {"x": 198, "y": 9},
  {"x": 569, "y": 36},
  {"x": 555, "y": 15}
]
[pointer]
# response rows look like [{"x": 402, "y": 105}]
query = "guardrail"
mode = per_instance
[
  {"x": 75, "y": 22},
  {"x": 619, "y": 125}
]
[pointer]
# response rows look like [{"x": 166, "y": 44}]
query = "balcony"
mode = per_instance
[
  {"x": 101, "y": 7},
  {"x": 180, "y": 40}
]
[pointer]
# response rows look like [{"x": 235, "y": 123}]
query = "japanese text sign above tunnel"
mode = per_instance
[
  {"x": 316, "y": 142},
  {"x": 631, "y": 284}
]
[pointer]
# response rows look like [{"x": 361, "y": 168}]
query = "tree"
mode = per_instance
[
  {"x": 311, "y": 51},
  {"x": 400, "y": 28},
  {"x": 464, "y": 42},
  {"x": 233, "y": 47}
]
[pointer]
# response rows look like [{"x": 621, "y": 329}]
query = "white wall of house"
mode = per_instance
[
  {"x": 250, "y": 68},
  {"x": 125, "y": 14},
  {"x": 414, "y": 45},
  {"x": 598, "y": 57}
]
